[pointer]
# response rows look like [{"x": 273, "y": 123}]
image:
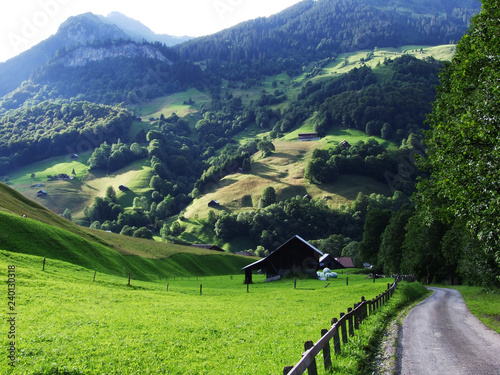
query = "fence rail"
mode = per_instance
[{"x": 340, "y": 331}]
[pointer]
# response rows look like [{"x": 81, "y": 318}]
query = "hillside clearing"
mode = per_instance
[{"x": 284, "y": 171}]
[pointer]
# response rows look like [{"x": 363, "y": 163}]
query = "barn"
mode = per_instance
[{"x": 295, "y": 256}]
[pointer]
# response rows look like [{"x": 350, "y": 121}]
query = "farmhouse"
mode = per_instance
[
  {"x": 41, "y": 193},
  {"x": 123, "y": 188},
  {"x": 308, "y": 137},
  {"x": 294, "y": 256},
  {"x": 345, "y": 145},
  {"x": 213, "y": 204}
]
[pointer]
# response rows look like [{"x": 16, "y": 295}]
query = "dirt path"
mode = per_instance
[{"x": 441, "y": 336}]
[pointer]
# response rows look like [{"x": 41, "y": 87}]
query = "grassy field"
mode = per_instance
[
  {"x": 83, "y": 188},
  {"x": 166, "y": 105},
  {"x": 66, "y": 323},
  {"x": 347, "y": 61}
]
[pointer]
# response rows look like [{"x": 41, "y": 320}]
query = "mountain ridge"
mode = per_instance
[
  {"x": 82, "y": 29},
  {"x": 138, "y": 31}
]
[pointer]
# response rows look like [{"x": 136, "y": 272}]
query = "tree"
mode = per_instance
[
  {"x": 392, "y": 240},
  {"x": 261, "y": 252},
  {"x": 267, "y": 147},
  {"x": 67, "y": 214},
  {"x": 463, "y": 143},
  {"x": 143, "y": 232},
  {"x": 111, "y": 194},
  {"x": 268, "y": 197},
  {"x": 375, "y": 224},
  {"x": 246, "y": 165}
]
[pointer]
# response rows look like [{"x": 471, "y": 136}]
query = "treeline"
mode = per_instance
[
  {"x": 276, "y": 222},
  {"x": 367, "y": 159},
  {"x": 51, "y": 129},
  {"x": 315, "y": 30},
  {"x": 403, "y": 242}
]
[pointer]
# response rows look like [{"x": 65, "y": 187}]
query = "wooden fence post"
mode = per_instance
[
  {"x": 327, "y": 354},
  {"x": 168, "y": 284},
  {"x": 43, "y": 268},
  {"x": 344, "y": 329},
  {"x": 362, "y": 316},
  {"x": 351, "y": 326},
  {"x": 336, "y": 338},
  {"x": 95, "y": 273},
  {"x": 356, "y": 316},
  {"x": 295, "y": 283},
  {"x": 312, "y": 369},
  {"x": 128, "y": 279},
  {"x": 347, "y": 281},
  {"x": 201, "y": 289}
]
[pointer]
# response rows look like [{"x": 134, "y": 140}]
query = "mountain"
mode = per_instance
[
  {"x": 138, "y": 31},
  {"x": 80, "y": 29}
]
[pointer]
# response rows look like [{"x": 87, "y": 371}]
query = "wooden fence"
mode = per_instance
[{"x": 340, "y": 331}]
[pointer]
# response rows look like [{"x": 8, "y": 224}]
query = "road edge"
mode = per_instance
[{"x": 388, "y": 351}]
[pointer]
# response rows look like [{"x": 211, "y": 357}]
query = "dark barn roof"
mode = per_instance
[{"x": 295, "y": 255}]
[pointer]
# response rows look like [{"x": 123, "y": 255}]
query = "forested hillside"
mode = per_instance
[
  {"x": 260, "y": 81},
  {"x": 49, "y": 129},
  {"x": 315, "y": 30}
]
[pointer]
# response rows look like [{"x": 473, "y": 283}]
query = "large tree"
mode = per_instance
[{"x": 464, "y": 140}]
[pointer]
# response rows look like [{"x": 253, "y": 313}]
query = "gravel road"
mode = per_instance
[{"x": 440, "y": 336}]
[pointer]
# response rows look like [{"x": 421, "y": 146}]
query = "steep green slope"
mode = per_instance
[{"x": 45, "y": 234}]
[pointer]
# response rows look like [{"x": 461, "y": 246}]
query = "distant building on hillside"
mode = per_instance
[
  {"x": 41, "y": 193},
  {"x": 308, "y": 137},
  {"x": 208, "y": 247},
  {"x": 344, "y": 144},
  {"x": 213, "y": 204}
]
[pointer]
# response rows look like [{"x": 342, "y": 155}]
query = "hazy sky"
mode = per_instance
[{"x": 24, "y": 23}]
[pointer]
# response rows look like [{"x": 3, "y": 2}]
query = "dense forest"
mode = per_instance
[
  {"x": 315, "y": 30},
  {"x": 49, "y": 129}
]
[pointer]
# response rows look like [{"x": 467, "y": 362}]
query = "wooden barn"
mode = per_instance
[
  {"x": 308, "y": 137},
  {"x": 294, "y": 256}
]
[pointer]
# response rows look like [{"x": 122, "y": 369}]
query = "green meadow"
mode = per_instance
[{"x": 66, "y": 323}]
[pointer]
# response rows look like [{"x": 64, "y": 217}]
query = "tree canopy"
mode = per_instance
[{"x": 464, "y": 140}]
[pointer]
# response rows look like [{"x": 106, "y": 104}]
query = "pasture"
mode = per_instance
[{"x": 68, "y": 323}]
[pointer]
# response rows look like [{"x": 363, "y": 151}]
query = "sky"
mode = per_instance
[{"x": 24, "y": 23}]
